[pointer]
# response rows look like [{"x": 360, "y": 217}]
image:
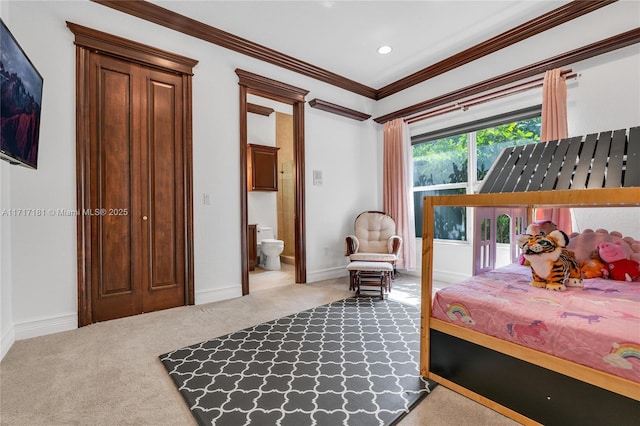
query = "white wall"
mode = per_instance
[
  {"x": 7, "y": 335},
  {"x": 606, "y": 96},
  {"x": 42, "y": 250},
  {"x": 350, "y": 161}
]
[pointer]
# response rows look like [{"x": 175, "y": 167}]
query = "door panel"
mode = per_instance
[{"x": 113, "y": 177}]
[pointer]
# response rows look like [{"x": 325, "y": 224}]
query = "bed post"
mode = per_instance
[{"x": 427, "y": 283}]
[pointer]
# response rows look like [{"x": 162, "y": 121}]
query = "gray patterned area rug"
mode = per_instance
[{"x": 352, "y": 362}]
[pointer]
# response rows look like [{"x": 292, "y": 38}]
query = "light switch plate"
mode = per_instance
[{"x": 317, "y": 177}]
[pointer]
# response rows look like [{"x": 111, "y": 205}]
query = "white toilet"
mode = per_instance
[{"x": 269, "y": 248}]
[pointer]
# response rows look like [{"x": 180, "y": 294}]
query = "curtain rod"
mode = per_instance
[{"x": 487, "y": 97}]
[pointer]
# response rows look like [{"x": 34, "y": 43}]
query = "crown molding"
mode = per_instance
[
  {"x": 269, "y": 88},
  {"x": 530, "y": 28},
  {"x": 339, "y": 110},
  {"x": 175, "y": 21},
  {"x": 259, "y": 109},
  {"x": 598, "y": 48},
  {"x": 169, "y": 19},
  {"x": 141, "y": 53}
]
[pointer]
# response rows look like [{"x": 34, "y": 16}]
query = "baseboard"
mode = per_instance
[
  {"x": 7, "y": 340},
  {"x": 209, "y": 296},
  {"x": 412, "y": 272},
  {"x": 44, "y": 326},
  {"x": 327, "y": 274},
  {"x": 448, "y": 277}
]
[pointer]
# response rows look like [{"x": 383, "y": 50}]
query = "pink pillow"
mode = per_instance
[{"x": 584, "y": 243}]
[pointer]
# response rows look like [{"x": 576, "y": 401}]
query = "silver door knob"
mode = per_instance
[{"x": 144, "y": 218}]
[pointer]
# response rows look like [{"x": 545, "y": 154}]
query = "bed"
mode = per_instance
[
  {"x": 597, "y": 325},
  {"x": 502, "y": 357}
]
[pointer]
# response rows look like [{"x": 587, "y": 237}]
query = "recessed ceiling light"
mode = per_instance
[{"x": 383, "y": 50}]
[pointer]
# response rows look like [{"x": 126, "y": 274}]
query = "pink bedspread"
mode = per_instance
[{"x": 597, "y": 325}]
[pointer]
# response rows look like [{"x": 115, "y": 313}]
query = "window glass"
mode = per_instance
[
  {"x": 450, "y": 223},
  {"x": 441, "y": 165},
  {"x": 440, "y": 161}
]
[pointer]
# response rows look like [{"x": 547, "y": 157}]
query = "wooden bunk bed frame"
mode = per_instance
[{"x": 528, "y": 386}]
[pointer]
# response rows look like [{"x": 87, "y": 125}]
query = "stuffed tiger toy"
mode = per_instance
[{"x": 553, "y": 267}]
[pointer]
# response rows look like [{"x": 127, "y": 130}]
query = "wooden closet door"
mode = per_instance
[{"x": 137, "y": 189}]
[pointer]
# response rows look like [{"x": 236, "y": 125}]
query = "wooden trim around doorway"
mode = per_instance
[{"x": 281, "y": 92}]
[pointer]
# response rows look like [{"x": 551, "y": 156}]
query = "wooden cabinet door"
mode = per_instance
[
  {"x": 262, "y": 167},
  {"x": 137, "y": 189}
]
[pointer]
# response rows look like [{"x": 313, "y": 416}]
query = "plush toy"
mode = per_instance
[
  {"x": 594, "y": 267},
  {"x": 539, "y": 227},
  {"x": 619, "y": 266},
  {"x": 552, "y": 266}
]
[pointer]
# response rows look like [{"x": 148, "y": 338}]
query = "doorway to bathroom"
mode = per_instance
[
  {"x": 270, "y": 193},
  {"x": 262, "y": 87}
]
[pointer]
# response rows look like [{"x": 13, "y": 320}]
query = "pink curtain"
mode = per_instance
[
  {"x": 397, "y": 194},
  {"x": 554, "y": 106},
  {"x": 554, "y": 127}
]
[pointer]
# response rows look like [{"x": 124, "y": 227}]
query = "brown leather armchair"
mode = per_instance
[{"x": 375, "y": 239}]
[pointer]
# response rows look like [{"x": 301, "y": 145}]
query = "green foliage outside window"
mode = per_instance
[
  {"x": 503, "y": 229},
  {"x": 445, "y": 160}
]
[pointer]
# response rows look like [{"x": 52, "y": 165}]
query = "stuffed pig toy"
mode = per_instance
[{"x": 620, "y": 267}]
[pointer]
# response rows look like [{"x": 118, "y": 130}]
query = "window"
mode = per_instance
[{"x": 443, "y": 161}]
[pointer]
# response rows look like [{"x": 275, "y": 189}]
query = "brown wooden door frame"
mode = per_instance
[
  {"x": 88, "y": 40},
  {"x": 261, "y": 86}
]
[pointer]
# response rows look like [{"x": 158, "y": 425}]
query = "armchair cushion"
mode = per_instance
[
  {"x": 373, "y": 257},
  {"x": 373, "y": 230},
  {"x": 374, "y": 240}
]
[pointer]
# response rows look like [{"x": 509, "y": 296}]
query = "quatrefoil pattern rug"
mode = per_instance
[{"x": 352, "y": 362}]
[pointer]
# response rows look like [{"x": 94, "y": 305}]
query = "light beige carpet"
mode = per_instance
[{"x": 109, "y": 373}]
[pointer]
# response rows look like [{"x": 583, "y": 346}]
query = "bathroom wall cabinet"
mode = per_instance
[{"x": 262, "y": 165}]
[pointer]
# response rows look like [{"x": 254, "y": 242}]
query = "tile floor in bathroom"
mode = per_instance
[{"x": 262, "y": 279}]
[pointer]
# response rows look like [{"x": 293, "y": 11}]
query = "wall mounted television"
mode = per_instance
[{"x": 20, "y": 103}]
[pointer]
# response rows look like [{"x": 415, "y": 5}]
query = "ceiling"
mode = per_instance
[{"x": 343, "y": 36}]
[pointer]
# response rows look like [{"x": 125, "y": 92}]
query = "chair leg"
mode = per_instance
[{"x": 353, "y": 278}]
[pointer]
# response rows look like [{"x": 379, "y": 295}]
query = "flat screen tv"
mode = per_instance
[{"x": 20, "y": 102}]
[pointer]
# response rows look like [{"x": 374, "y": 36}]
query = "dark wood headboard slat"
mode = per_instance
[{"x": 610, "y": 159}]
